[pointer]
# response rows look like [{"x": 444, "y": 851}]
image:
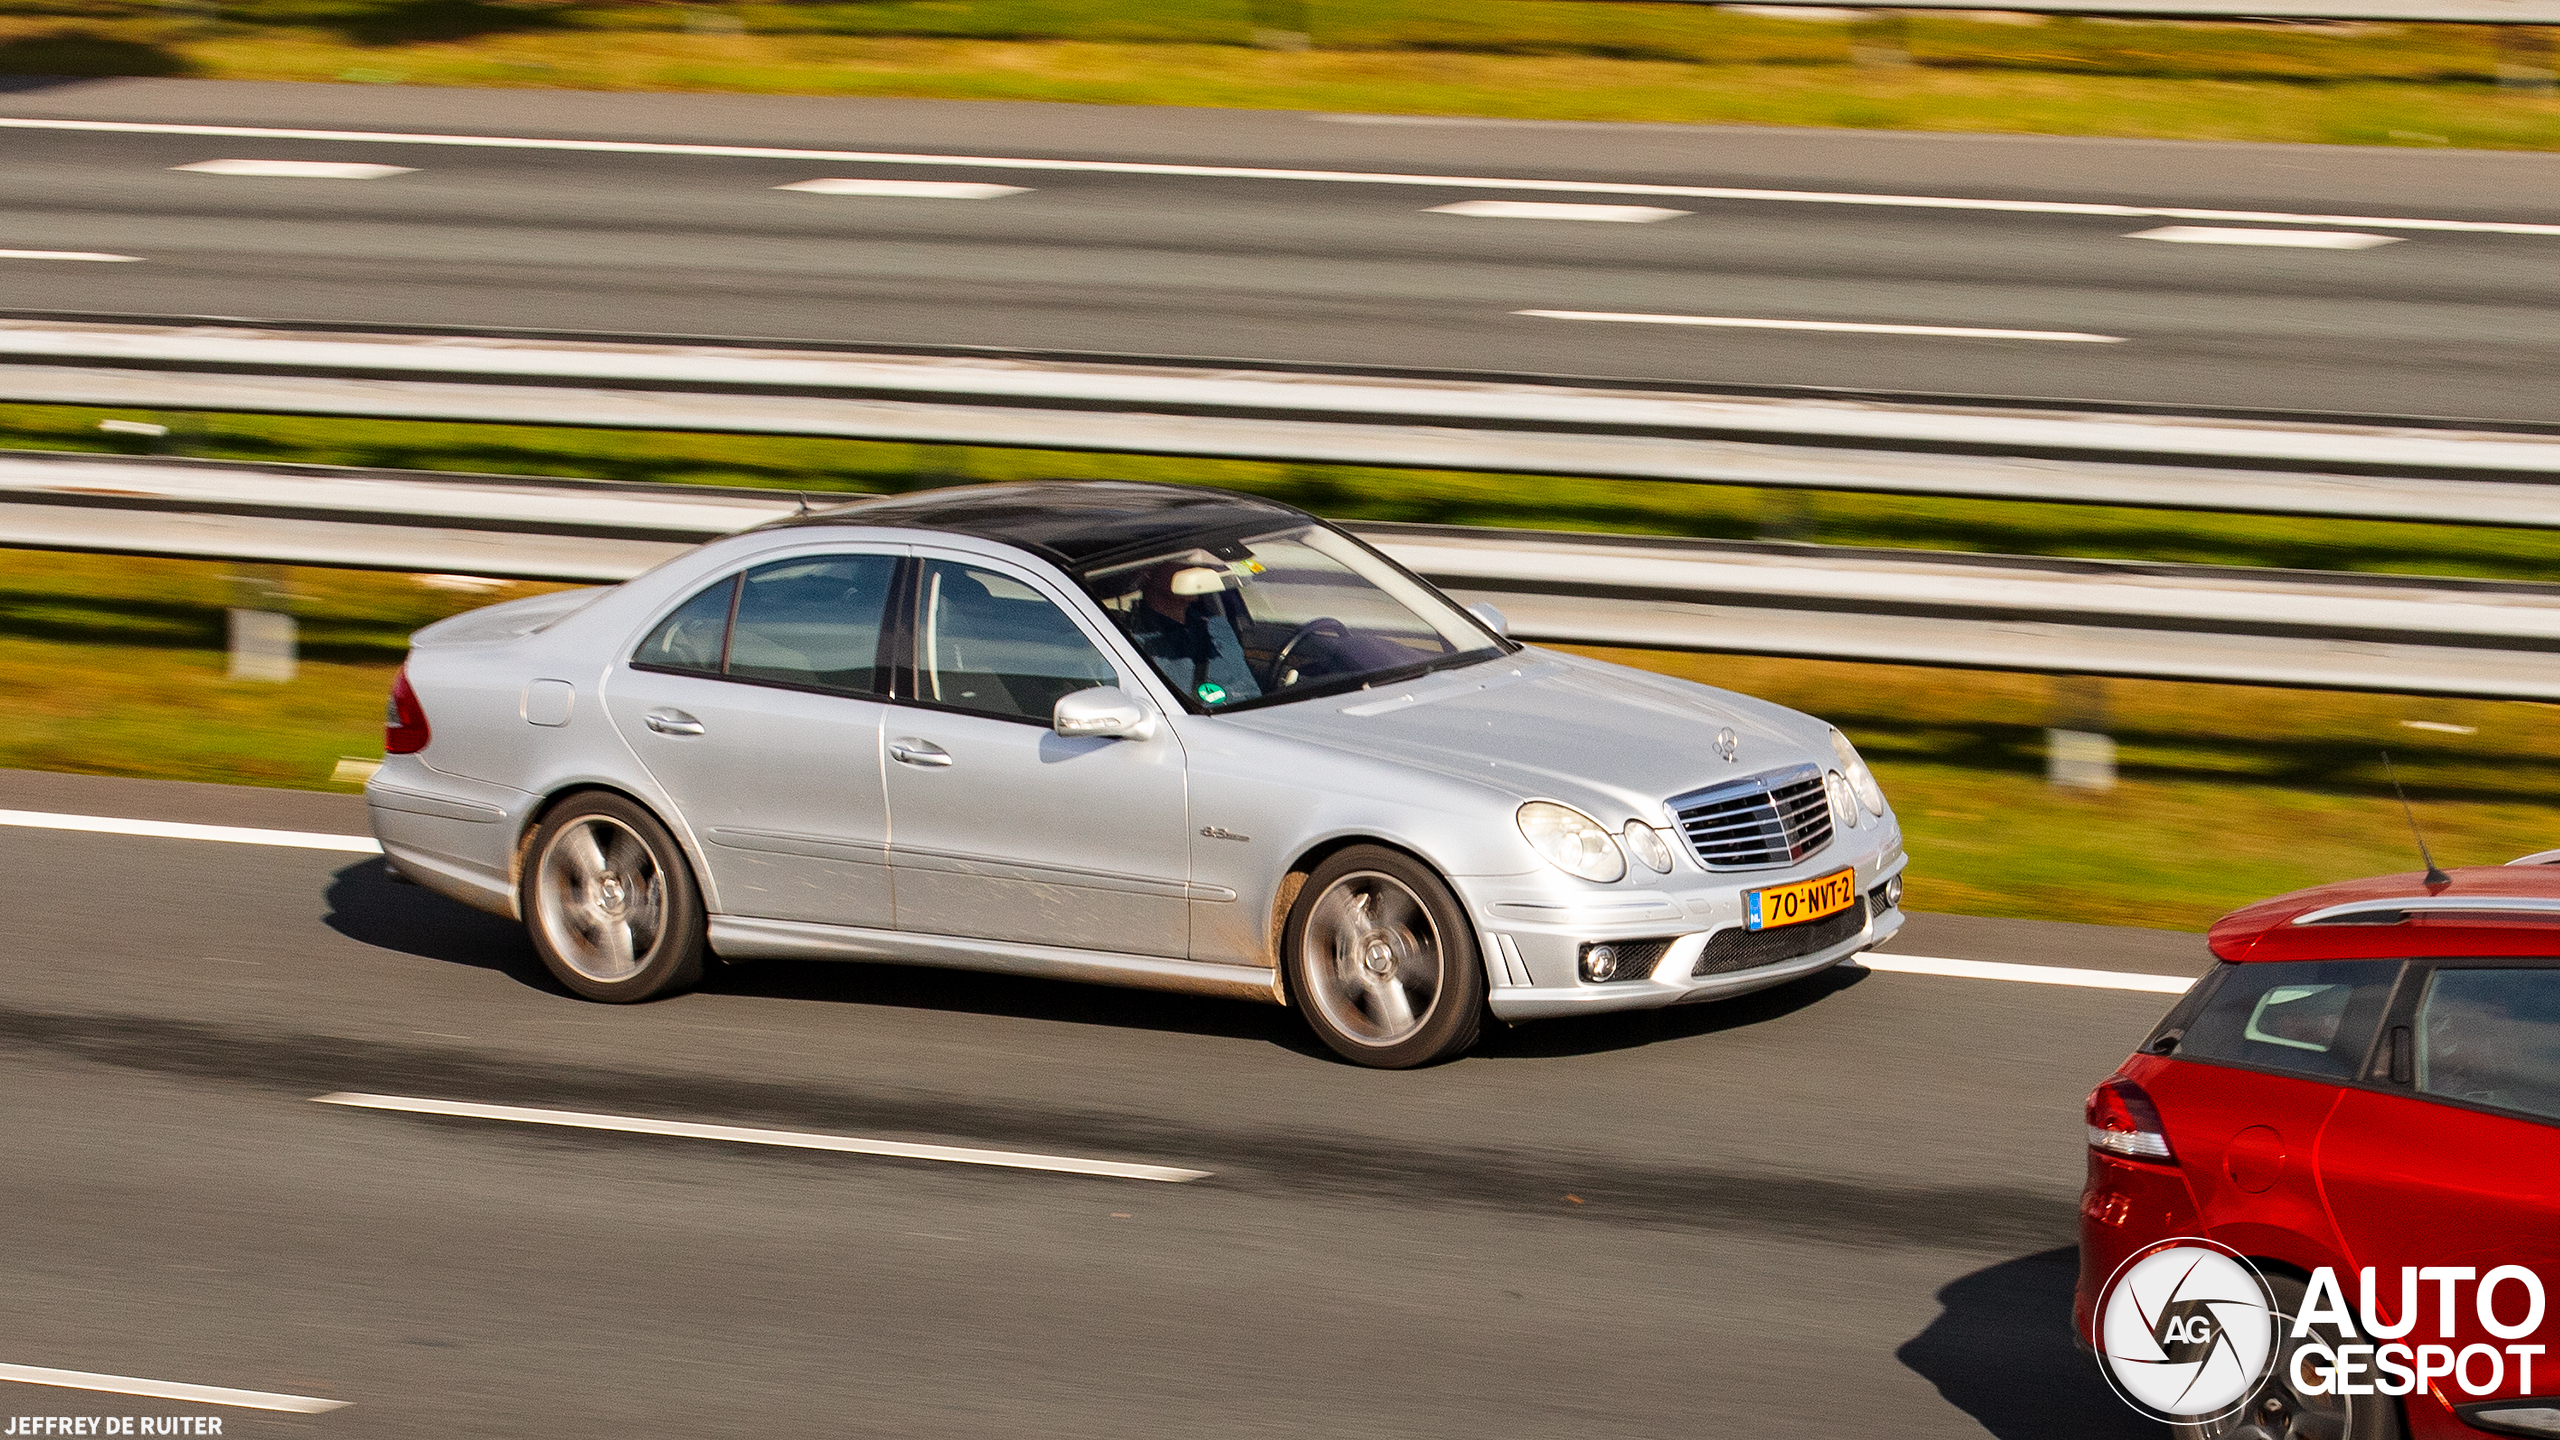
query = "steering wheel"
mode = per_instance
[{"x": 1282, "y": 674}]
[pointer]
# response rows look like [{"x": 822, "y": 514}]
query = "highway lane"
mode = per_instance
[
  {"x": 1834, "y": 1209},
  {"x": 1313, "y": 271}
]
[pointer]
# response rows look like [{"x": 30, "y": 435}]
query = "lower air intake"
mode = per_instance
[{"x": 1733, "y": 950}]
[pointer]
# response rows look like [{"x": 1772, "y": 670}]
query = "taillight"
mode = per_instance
[
  {"x": 404, "y": 720},
  {"x": 2123, "y": 1121}
]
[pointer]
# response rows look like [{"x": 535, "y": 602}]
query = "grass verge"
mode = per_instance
[
  {"x": 115, "y": 666},
  {"x": 1529, "y": 59}
]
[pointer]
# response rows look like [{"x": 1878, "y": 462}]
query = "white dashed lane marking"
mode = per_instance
[
  {"x": 908, "y": 189},
  {"x": 64, "y": 255},
  {"x": 1556, "y": 210},
  {"x": 787, "y": 1139},
  {"x": 169, "y": 1390},
  {"x": 1250, "y": 172},
  {"x": 1845, "y": 327},
  {"x": 296, "y": 169},
  {"x": 2292, "y": 239}
]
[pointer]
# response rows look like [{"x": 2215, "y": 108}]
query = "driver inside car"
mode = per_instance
[{"x": 1179, "y": 624}]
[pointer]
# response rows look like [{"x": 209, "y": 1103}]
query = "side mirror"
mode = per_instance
[
  {"x": 1105, "y": 712},
  {"x": 1492, "y": 618}
]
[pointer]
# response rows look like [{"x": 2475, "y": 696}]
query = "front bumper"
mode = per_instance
[
  {"x": 1533, "y": 941},
  {"x": 1541, "y": 1002}
]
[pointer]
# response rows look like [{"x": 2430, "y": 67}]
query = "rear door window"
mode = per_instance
[
  {"x": 810, "y": 624},
  {"x": 813, "y": 623},
  {"x": 2492, "y": 1037},
  {"x": 2312, "y": 1018}
]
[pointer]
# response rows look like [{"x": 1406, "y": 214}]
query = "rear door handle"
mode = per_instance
[
  {"x": 911, "y": 751},
  {"x": 672, "y": 722}
]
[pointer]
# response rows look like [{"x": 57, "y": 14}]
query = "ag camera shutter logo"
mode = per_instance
[{"x": 2185, "y": 1332}]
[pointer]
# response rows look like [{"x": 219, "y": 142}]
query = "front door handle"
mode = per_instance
[
  {"x": 910, "y": 751},
  {"x": 672, "y": 722}
]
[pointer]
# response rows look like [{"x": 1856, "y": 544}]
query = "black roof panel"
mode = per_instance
[{"x": 1073, "y": 523}]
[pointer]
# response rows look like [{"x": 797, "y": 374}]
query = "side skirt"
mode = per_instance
[{"x": 737, "y": 938}]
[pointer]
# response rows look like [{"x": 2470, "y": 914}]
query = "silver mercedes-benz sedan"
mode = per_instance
[{"x": 1140, "y": 734}]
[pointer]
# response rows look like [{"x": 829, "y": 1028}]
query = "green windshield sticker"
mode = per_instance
[{"x": 1211, "y": 692}]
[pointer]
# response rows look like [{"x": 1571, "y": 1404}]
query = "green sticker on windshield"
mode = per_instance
[{"x": 1211, "y": 692}]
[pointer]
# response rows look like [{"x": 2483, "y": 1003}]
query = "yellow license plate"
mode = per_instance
[{"x": 1804, "y": 900}]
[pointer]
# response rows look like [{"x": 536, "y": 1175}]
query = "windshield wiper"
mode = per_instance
[
  {"x": 1344, "y": 684},
  {"x": 1420, "y": 668}
]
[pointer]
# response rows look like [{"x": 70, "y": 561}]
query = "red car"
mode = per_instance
[{"x": 2369, "y": 1079}]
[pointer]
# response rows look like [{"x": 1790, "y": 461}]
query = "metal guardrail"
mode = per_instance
[
  {"x": 2440, "y": 637},
  {"x": 2368, "y": 470}
]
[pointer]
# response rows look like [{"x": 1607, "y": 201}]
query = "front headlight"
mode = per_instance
[
  {"x": 1571, "y": 841},
  {"x": 1844, "y": 802},
  {"x": 1646, "y": 844},
  {"x": 1861, "y": 779}
]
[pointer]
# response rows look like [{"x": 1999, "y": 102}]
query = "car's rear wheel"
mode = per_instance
[
  {"x": 611, "y": 903},
  {"x": 2278, "y": 1411},
  {"x": 1381, "y": 960}
]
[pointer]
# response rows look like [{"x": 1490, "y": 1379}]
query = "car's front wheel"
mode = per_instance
[
  {"x": 1381, "y": 960},
  {"x": 611, "y": 903}
]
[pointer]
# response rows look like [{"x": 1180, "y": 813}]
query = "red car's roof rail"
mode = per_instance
[{"x": 2385, "y": 910}]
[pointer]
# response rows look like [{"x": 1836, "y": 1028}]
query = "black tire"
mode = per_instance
[
  {"x": 611, "y": 903},
  {"x": 2276, "y": 1412},
  {"x": 1391, "y": 981}
]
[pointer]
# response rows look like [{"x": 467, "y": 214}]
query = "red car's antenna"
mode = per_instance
[{"x": 2435, "y": 876}]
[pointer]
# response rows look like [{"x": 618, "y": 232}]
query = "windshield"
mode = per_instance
[{"x": 1298, "y": 613}]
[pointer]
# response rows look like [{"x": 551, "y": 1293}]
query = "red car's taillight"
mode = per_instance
[
  {"x": 2123, "y": 1121},
  {"x": 404, "y": 720}
]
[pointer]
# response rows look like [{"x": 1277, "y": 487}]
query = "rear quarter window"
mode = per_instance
[
  {"x": 2314, "y": 1018},
  {"x": 2492, "y": 1037}
]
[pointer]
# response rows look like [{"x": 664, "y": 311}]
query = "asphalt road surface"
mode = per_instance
[
  {"x": 1333, "y": 265},
  {"x": 1838, "y": 1209}
]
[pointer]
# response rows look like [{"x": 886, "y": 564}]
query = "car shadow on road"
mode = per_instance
[
  {"x": 1630, "y": 1029},
  {"x": 370, "y": 905},
  {"x": 924, "y": 987},
  {"x": 2001, "y": 1351}
]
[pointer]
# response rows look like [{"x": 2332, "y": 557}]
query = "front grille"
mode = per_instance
[
  {"x": 1755, "y": 824},
  {"x": 1733, "y": 950}
]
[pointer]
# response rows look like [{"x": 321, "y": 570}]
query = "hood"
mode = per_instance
[{"x": 1540, "y": 725}]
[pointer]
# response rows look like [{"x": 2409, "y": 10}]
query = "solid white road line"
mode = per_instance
[
  {"x": 1555, "y": 210},
  {"x": 909, "y": 189},
  {"x": 788, "y": 1139},
  {"x": 2028, "y": 974},
  {"x": 174, "y": 830},
  {"x": 2297, "y": 239},
  {"x": 167, "y": 1390},
  {"x": 296, "y": 169},
  {"x": 63, "y": 255},
  {"x": 1244, "y": 172},
  {"x": 1733, "y": 322}
]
